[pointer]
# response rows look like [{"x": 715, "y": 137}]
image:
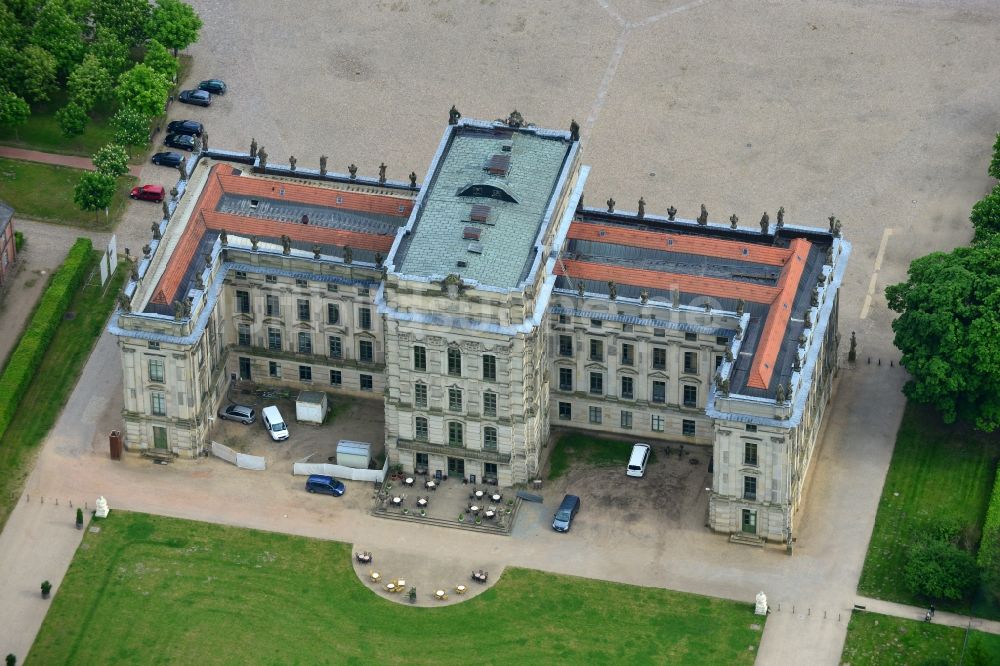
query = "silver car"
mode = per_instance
[{"x": 242, "y": 413}]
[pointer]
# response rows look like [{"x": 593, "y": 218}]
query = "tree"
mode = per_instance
[
  {"x": 37, "y": 71},
  {"x": 174, "y": 24},
  {"x": 72, "y": 120},
  {"x": 112, "y": 159},
  {"x": 131, "y": 127},
  {"x": 158, "y": 58},
  {"x": 14, "y": 111},
  {"x": 985, "y": 216},
  {"x": 89, "y": 83},
  {"x": 57, "y": 32},
  {"x": 940, "y": 570},
  {"x": 994, "y": 169},
  {"x": 127, "y": 19},
  {"x": 112, "y": 53},
  {"x": 144, "y": 90},
  {"x": 949, "y": 315},
  {"x": 94, "y": 191}
]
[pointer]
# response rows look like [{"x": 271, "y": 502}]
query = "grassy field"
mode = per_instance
[
  {"x": 42, "y": 132},
  {"x": 936, "y": 470},
  {"x": 45, "y": 192},
  {"x": 155, "y": 590},
  {"x": 882, "y": 640},
  {"x": 586, "y": 450},
  {"x": 63, "y": 363}
]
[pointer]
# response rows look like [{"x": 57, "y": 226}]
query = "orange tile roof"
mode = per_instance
[{"x": 708, "y": 247}]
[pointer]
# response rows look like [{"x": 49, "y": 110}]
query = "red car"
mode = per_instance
[{"x": 148, "y": 193}]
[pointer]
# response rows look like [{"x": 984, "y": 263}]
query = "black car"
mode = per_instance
[
  {"x": 196, "y": 97},
  {"x": 168, "y": 158},
  {"x": 214, "y": 86},
  {"x": 242, "y": 413},
  {"x": 192, "y": 127},
  {"x": 182, "y": 141}
]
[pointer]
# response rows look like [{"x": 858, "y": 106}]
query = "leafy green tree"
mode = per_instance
[
  {"x": 143, "y": 89},
  {"x": 112, "y": 53},
  {"x": 89, "y": 83},
  {"x": 985, "y": 216},
  {"x": 11, "y": 29},
  {"x": 131, "y": 127},
  {"x": 947, "y": 332},
  {"x": 994, "y": 169},
  {"x": 72, "y": 120},
  {"x": 174, "y": 24},
  {"x": 14, "y": 111},
  {"x": 94, "y": 191},
  {"x": 37, "y": 73},
  {"x": 111, "y": 159},
  {"x": 56, "y": 32},
  {"x": 940, "y": 570},
  {"x": 159, "y": 59},
  {"x": 127, "y": 19}
]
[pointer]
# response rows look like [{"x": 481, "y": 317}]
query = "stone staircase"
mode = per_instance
[{"x": 747, "y": 539}]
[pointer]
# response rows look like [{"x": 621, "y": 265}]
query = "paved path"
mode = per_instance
[
  {"x": 59, "y": 160},
  {"x": 940, "y": 617}
]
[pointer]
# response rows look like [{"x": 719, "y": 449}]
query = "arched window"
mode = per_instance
[{"x": 489, "y": 439}]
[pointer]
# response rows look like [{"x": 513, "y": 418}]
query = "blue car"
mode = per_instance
[{"x": 320, "y": 483}]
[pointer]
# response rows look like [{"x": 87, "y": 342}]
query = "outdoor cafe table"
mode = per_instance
[
  {"x": 430, "y": 484},
  {"x": 496, "y": 497},
  {"x": 408, "y": 481},
  {"x": 422, "y": 501},
  {"x": 474, "y": 509},
  {"x": 397, "y": 500},
  {"x": 490, "y": 514},
  {"x": 375, "y": 576},
  {"x": 479, "y": 494}
]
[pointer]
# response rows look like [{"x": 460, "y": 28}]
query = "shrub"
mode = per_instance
[
  {"x": 18, "y": 241},
  {"x": 30, "y": 350},
  {"x": 939, "y": 569},
  {"x": 989, "y": 548}
]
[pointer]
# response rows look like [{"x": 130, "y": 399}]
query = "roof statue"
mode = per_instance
[
  {"x": 611, "y": 205},
  {"x": 322, "y": 165},
  {"x": 348, "y": 254},
  {"x": 574, "y": 130},
  {"x": 378, "y": 259},
  {"x": 253, "y": 243},
  {"x": 671, "y": 213},
  {"x": 224, "y": 237},
  {"x": 146, "y": 250},
  {"x": 262, "y": 159},
  {"x": 204, "y": 139},
  {"x": 353, "y": 170},
  {"x": 197, "y": 144},
  {"x": 381, "y": 172},
  {"x": 156, "y": 230},
  {"x": 165, "y": 205},
  {"x": 779, "y": 394},
  {"x": 286, "y": 244},
  {"x": 316, "y": 250},
  {"x": 515, "y": 119},
  {"x": 642, "y": 209},
  {"x": 781, "y": 218},
  {"x": 612, "y": 290},
  {"x": 740, "y": 307},
  {"x": 733, "y": 221},
  {"x": 852, "y": 354},
  {"x": 453, "y": 115},
  {"x": 579, "y": 288},
  {"x": 178, "y": 310},
  {"x": 703, "y": 216},
  {"x": 644, "y": 296},
  {"x": 253, "y": 147},
  {"x": 413, "y": 180},
  {"x": 765, "y": 222},
  {"x": 182, "y": 168},
  {"x": 291, "y": 162},
  {"x": 124, "y": 302}
]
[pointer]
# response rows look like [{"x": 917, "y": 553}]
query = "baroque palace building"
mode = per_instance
[{"x": 488, "y": 306}]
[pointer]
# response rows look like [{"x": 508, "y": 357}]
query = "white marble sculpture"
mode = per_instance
[
  {"x": 102, "y": 508},
  {"x": 761, "y": 607}
]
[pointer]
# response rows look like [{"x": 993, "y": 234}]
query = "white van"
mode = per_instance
[
  {"x": 271, "y": 418},
  {"x": 637, "y": 460}
]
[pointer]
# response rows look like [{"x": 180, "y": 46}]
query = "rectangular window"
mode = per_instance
[
  {"x": 659, "y": 392},
  {"x": 489, "y": 367},
  {"x": 243, "y": 301},
  {"x": 420, "y": 429},
  {"x": 565, "y": 379},
  {"x": 274, "y": 339},
  {"x": 628, "y": 328},
  {"x": 687, "y": 428},
  {"x": 596, "y": 350},
  {"x": 455, "y": 435},
  {"x": 303, "y": 308},
  {"x": 271, "y": 279},
  {"x": 628, "y": 392},
  {"x": 305, "y": 343},
  {"x": 490, "y": 439},
  {"x": 659, "y": 358},
  {"x": 455, "y": 399},
  {"x": 243, "y": 335},
  {"x": 750, "y": 453},
  {"x": 718, "y": 361},
  {"x": 245, "y": 366},
  {"x": 332, "y": 287},
  {"x": 366, "y": 382},
  {"x": 332, "y": 313},
  {"x": 335, "y": 378},
  {"x": 656, "y": 423},
  {"x": 364, "y": 291},
  {"x": 420, "y": 394},
  {"x": 366, "y": 351},
  {"x": 273, "y": 308},
  {"x": 489, "y": 403},
  {"x": 301, "y": 283},
  {"x": 659, "y": 332},
  {"x": 626, "y": 420},
  {"x": 158, "y": 403},
  {"x": 690, "y": 396},
  {"x": 454, "y": 361},
  {"x": 563, "y": 319},
  {"x": 365, "y": 318},
  {"x": 336, "y": 347},
  {"x": 419, "y": 358},
  {"x": 565, "y": 345},
  {"x": 628, "y": 354},
  {"x": 691, "y": 362},
  {"x": 565, "y": 411},
  {"x": 153, "y": 345},
  {"x": 595, "y": 415},
  {"x": 241, "y": 275},
  {"x": 597, "y": 383},
  {"x": 489, "y": 471},
  {"x": 159, "y": 437},
  {"x": 273, "y": 369},
  {"x": 156, "y": 370},
  {"x": 596, "y": 323},
  {"x": 749, "y": 487},
  {"x": 423, "y": 462},
  {"x": 305, "y": 373},
  {"x": 750, "y": 427},
  {"x": 691, "y": 337},
  {"x": 722, "y": 340}
]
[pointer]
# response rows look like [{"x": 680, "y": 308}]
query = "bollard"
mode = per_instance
[
  {"x": 57, "y": 501},
  {"x": 824, "y": 615},
  {"x": 793, "y": 609},
  {"x": 880, "y": 361},
  {"x": 71, "y": 504},
  {"x": 809, "y": 611},
  {"x": 42, "y": 501},
  {"x": 779, "y": 608},
  {"x": 891, "y": 364},
  {"x": 838, "y": 617},
  {"x": 27, "y": 497},
  {"x": 869, "y": 360}
]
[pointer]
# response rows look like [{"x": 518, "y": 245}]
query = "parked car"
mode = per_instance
[
  {"x": 214, "y": 86},
  {"x": 148, "y": 193},
  {"x": 182, "y": 141},
  {"x": 275, "y": 425},
  {"x": 320, "y": 483},
  {"x": 167, "y": 158},
  {"x": 196, "y": 97},
  {"x": 564, "y": 515},
  {"x": 242, "y": 413},
  {"x": 637, "y": 460},
  {"x": 192, "y": 127}
]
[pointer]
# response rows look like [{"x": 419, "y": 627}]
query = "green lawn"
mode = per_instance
[
  {"x": 155, "y": 590},
  {"x": 61, "y": 367},
  {"x": 45, "y": 192},
  {"x": 42, "y": 132},
  {"x": 882, "y": 640},
  {"x": 936, "y": 470},
  {"x": 587, "y": 450}
]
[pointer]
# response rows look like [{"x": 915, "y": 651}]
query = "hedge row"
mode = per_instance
[
  {"x": 989, "y": 546},
  {"x": 30, "y": 350}
]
